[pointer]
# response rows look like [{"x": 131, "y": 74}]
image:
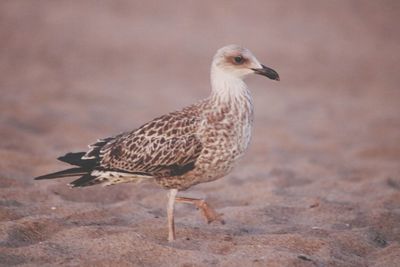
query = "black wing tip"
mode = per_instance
[
  {"x": 86, "y": 178},
  {"x": 40, "y": 177},
  {"x": 64, "y": 173},
  {"x": 75, "y": 158},
  {"x": 69, "y": 155}
]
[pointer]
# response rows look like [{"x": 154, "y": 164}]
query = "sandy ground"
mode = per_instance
[{"x": 320, "y": 185}]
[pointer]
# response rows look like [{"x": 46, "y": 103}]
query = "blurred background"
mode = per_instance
[{"x": 75, "y": 71}]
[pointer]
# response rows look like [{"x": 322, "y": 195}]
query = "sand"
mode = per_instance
[{"x": 320, "y": 185}]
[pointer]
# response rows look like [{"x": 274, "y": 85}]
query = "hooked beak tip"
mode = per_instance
[{"x": 268, "y": 72}]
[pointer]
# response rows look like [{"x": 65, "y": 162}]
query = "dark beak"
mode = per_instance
[{"x": 265, "y": 71}]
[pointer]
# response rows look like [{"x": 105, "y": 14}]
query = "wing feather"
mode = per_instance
[{"x": 166, "y": 146}]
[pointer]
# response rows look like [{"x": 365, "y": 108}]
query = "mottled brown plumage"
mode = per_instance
[{"x": 197, "y": 144}]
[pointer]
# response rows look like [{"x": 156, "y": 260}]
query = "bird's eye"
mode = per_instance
[{"x": 238, "y": 59}]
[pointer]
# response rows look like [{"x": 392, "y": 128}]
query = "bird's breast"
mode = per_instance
[{"x": 225, "y": 134}]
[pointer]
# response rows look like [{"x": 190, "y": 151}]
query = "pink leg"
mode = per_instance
[
  {"x": 170, "y": 214},
  {"x": 208, "y": 212}
]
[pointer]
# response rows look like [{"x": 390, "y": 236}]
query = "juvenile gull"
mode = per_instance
[{"x": 197, "y": 144}]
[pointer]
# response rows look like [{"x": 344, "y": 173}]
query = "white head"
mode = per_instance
[{"x": 237, "y": 62}]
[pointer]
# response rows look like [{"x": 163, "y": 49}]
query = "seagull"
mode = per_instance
[{"x": 197, "y": 144}]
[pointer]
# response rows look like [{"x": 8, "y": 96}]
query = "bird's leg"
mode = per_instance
[
  {"x": 170, "y": 213},
  {"x": 208, "y": 212}
]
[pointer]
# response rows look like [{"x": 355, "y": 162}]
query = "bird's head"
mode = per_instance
[{"x": 239, "y": 62}]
